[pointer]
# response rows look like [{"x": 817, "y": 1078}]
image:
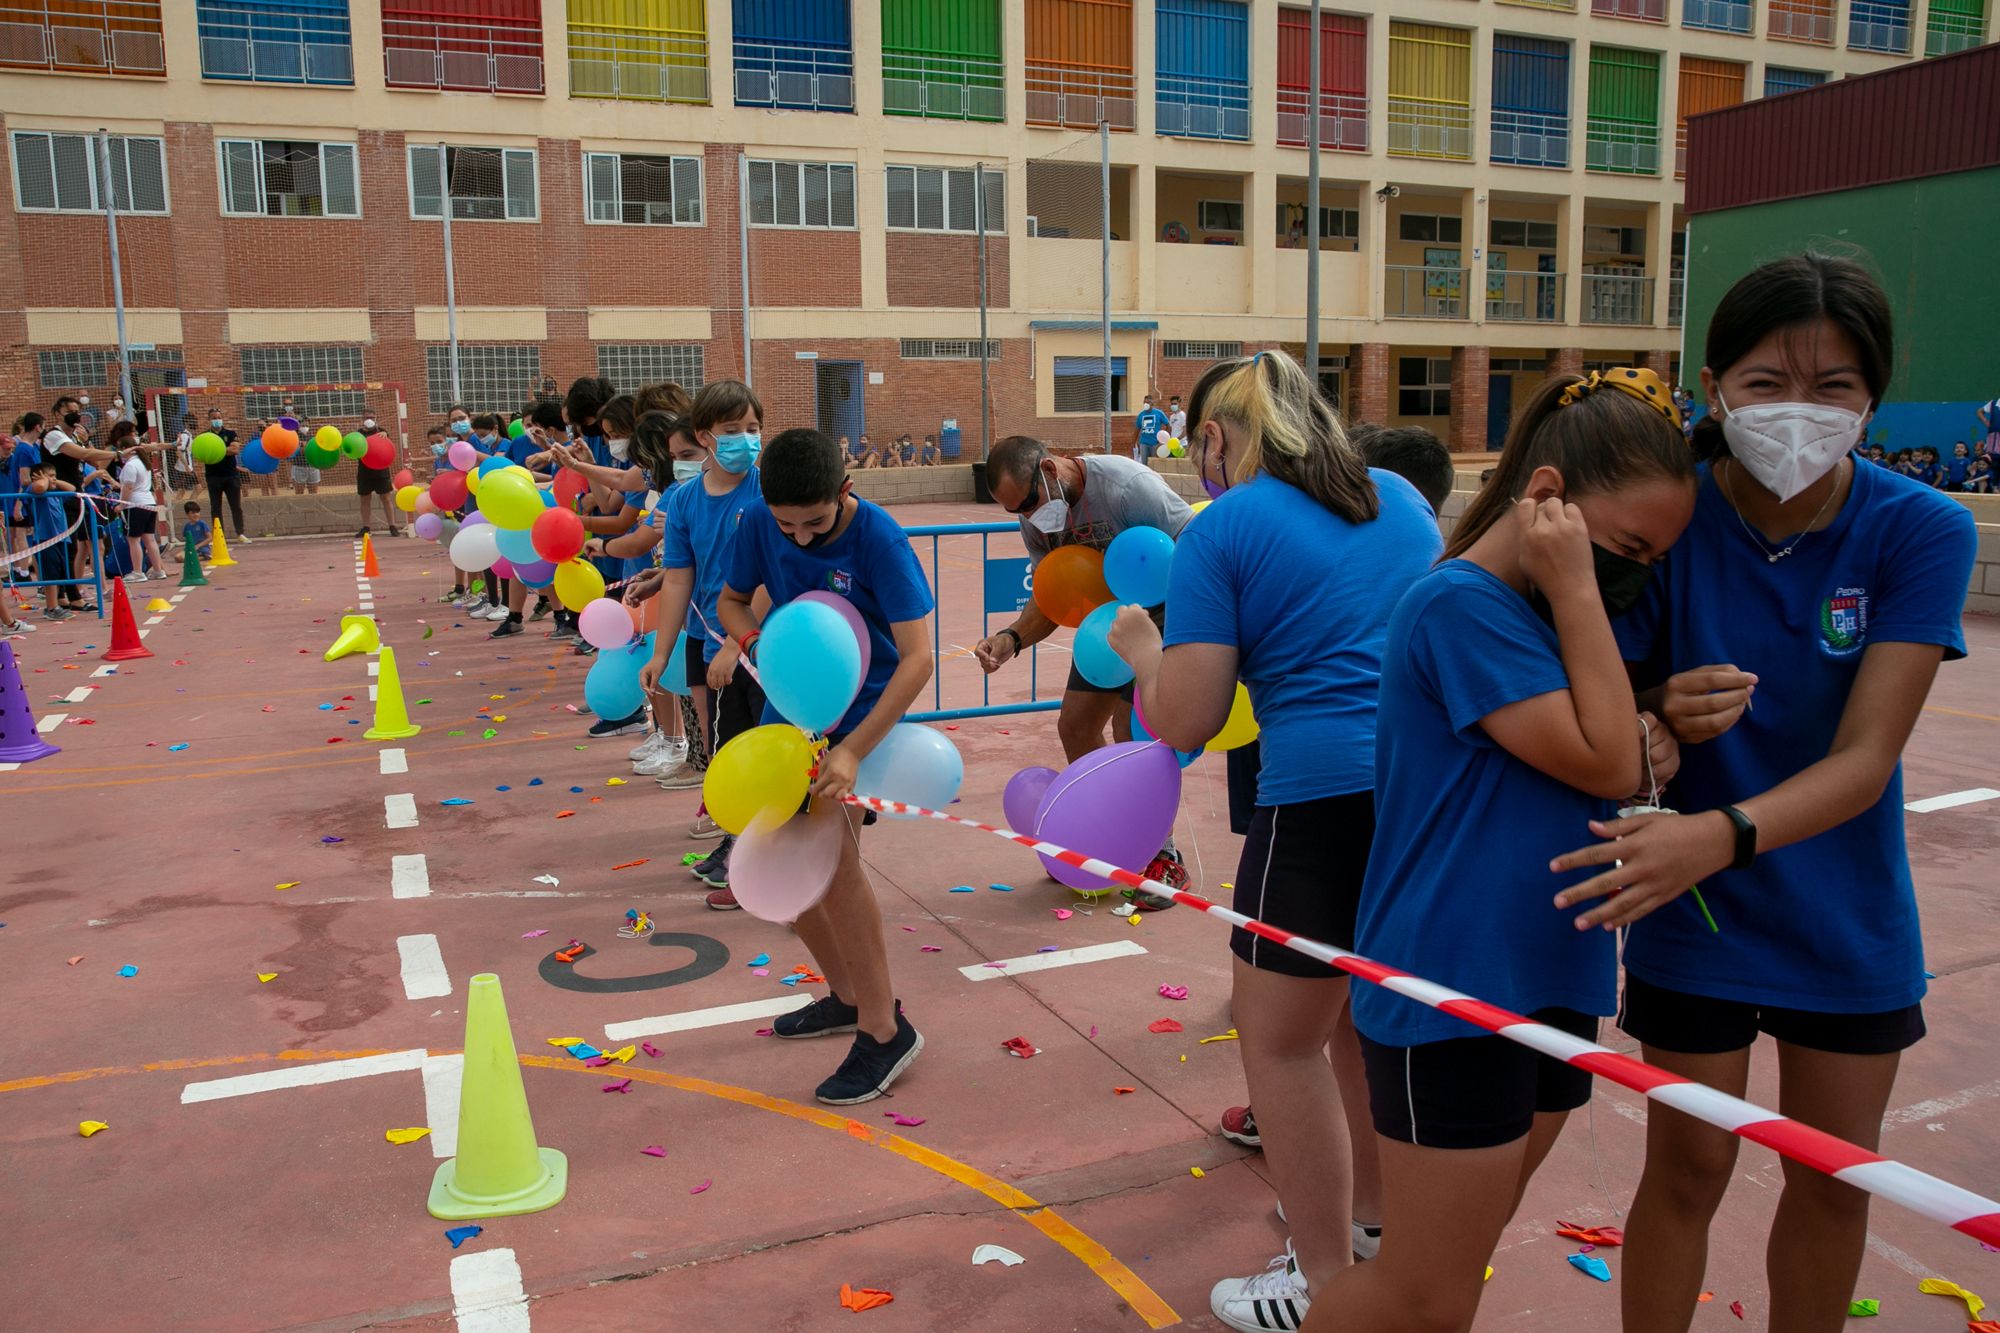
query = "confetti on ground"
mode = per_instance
[
  {"x": 1590, "y": 1235},
  {"x": 459, "y": 1235},
  {"x": 858, "y": 1299},
  {"x": 535, "y": 934},
  {"x": 963, "y": 888},
  {"x": 89, "y": 1127},
  {"x": 1937, "y": 1286},
  {"x": 759, "y": 961},
  {"x": 1163, "y": 1025},
  {"x": 1863, "y": 1309},
  {"x": 1220, "y": 1036},
  {"x": 455, "y": 800},
  {"x": 329, "y": 840},
  {"x": 627, "y": 865},
  {"x": 565, "y": 814},
  {"x": 576, "y": 791},
  {"x": 1120, "y": 1092},
  {"x": 989, "y": 1254},
  {"x": 907, "y": 1121},
  {"x": 182, "y": 746},
  {"x": 267, "y": 976},
  {"x": 1062, "y": 913},
  {"x": 1592, "y": 1265},
  {"x": 1197, "y": 1173},
  {"x": 614, "y": 782},
  {"x": 74, "y": 961},
  {"x": 654, "y": 1150},
  {"x": 549, "y": 880},
  {"x": 1020, "y": 1046},
  {"x": 1173, "y": 992},
  {"x": 650, "y": 1049},
  {"x": 583, "y": 1050},
  {"x": 288, "y": 884},
  {"x": 410, "y": 1135},
  {"x": 622, "y": 1085},
  {"x": 1001, "y": 888},
  {"x": 701, "y": 1188},
  {"x": 534, "y": 782},
  {"x": 128, "y": 971}
]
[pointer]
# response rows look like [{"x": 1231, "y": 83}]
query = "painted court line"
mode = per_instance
[
  {"x": 443, "y": 1075},
  {"x": 1042, "y": 962},
  {"x": 106, "y": 670},
  {"x": 486, "y": 1293},
  {"x": 1951, "y": 800},
  {"x": 400, "y": 810},
  {"x": 303, "y": 1076},
  {"x": 79, "y": 694},
  {"x": 10, "y": 768},
  {"x": 424, "y": 976},
  {"x": 144, "y": 632},
  {"x": 705, "y": 1018},
  {"x": 374, "y": 668},
  {"x": 154, "y": 620},
  {"x": 371, "y": 692},
  {"x": 395, "y": 760},
  {"x": 409, "y": 877},
  {"x": 51, "y": 722},
  {"x": 1937, "y": 1107},
  {"x": 178, "y": 598}
]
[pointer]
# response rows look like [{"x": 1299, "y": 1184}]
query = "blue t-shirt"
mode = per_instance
[
  {"x": 631, "y": 565},
  {"x": 1928, "y": 474},
  {"x": 46, "y": 512},
  {"x": 26, "y": 454},
  {"x": 1955, "y": 470},
  {"x": 1304, "y": 597},
  {"x": 697, "y": 531},
  {"x": 1458, "y": 888},
  {"x": 194, "y": 533},
  {"x": 520, "y": 449},
  {"x": 1150, "y": 423},
  {"x": 1828, "y": 924},
  {"x": 871, "y": 565}
]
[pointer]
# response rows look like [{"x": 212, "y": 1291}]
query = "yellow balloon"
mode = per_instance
[
  {"x": 510, "y": 500},
  {"x": 1241, "y": 728},
  {"x": 406, "y": 498},
  {"x": 764, "y": 772},
  {"x": 578, "y": 584},
  {"x": 472, "y": 480},
  {"x": 1198, "y": 506},
  {"x": 327, "y": 438}
]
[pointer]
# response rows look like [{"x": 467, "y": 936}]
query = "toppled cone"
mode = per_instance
[
  {"x": 571, "y": 954},
  {"x": 863, "y": 1298}
]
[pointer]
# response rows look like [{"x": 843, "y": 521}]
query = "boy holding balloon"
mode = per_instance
[{"x": 810, "y": 534}]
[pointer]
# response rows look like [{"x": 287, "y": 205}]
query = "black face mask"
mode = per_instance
[
  {"x": 1621, "y": 582},
  {"x": 820, "y": 539}
]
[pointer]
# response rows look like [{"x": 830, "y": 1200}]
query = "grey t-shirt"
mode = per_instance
[{"x": 1118, "y": 493}]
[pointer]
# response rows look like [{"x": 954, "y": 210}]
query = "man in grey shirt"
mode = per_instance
[{"x": 1084, "y": 501}]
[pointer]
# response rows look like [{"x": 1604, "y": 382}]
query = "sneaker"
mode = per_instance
[
  {"x": 685, "y": 778},
  {"x": 135, "y": 577},
  {"x": 665, "y": 762},
  {"x": 586, "y": 649},
  {"x": 1274, "y": 1298},
  {"x": 505, "y": 628},
  {"x": 494, "y": 613},
  {"x": 630, "y": 726},
  {"x": 703, "y": 868},
  {"x": 1240, "y": 1127},
  {"x": 713, "y": 870},
  {"x": 541, "y": 610},
  {"x": 647, "y": 748},
  {"x": 722, "y": 900},
  {"x": 1168, "y": 870},
  {"x": 562, "y": 634},
  {"x": 57, "y": 613},
  {"x": 703, "y": 827},
  {"x": 1365, "y": 1240},
  {"x": 822, "y": 1018},
  {"x": 359, "y": 535},
  {"x": 871, "y": 1066}
]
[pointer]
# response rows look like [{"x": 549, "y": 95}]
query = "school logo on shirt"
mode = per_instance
[
  {"x": 840, "y": 581},
  {"x": 1843, "y": 622}
]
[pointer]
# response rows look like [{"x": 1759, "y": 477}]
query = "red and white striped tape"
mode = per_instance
[{"x": 1959, "y": 1209}]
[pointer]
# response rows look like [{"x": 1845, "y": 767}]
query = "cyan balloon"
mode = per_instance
[
  {"x": 612, "y": 688},
  {"x": 913, "y": 764},
  {"x": 518, "y": 545},
  {"x": 1092, "y": 650},
  {"x": 810, "y": 664},
  {"x": 1136, "y": 566}
]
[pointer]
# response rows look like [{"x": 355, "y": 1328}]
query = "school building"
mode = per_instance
[{"x": 664, "y": 188}]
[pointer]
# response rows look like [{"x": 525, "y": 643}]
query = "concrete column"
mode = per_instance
[
  {"x": 1371, "y": 383},
  {"x": 1144, "y": 231},
  {"x": 1263, "y": 92},
  {"x": 1260, "y": 234},
  {"x": 1144, "y": 46},
  {"x": 1378, "y": 84},
  {"x": 722, "y": 52},
  {"x": 1569, "y": 240},
  {"x": 1469, "y": 370},
  {"x": 871, "y": 218},
  {"x": 1660, "y": 257},
  {"x": 1374, "y": 245},
  {"x": 1472, "y": 252},
  {"x": 867, "y": 20},
  {"x": 1013, "y": 55}
]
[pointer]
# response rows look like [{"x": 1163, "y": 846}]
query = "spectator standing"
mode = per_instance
[
  {"x": 224, "y": 477},
  {"x": 1147, "y": 427}
]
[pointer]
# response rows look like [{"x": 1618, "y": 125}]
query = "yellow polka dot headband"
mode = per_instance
[{"x": 1642, "y": 384}]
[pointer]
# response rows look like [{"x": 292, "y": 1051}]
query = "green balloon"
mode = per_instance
[
  {"x": 209, "y": 448},
  {"x": 516, "y": 429},
  {"x": 352, "y": 445},
  {"x": 318, "y": 457}
]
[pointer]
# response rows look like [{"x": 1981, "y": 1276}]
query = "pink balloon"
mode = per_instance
[
  {"x": 1023, "y": 797},
  {"x": 605, "y": 623},
  {"x": 1116, "y": 804},
  {"x": 777, "y": 874},
  {"x": 503, "y": 568},
  {"x": 425, "y": 505},
  {"x": 463, "y": 456},
  {"x": 848, "y": 614}
]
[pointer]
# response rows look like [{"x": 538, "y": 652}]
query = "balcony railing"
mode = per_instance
[
  {"x": 1530, "y": 138},
  {"x": 1080, "y": 98},
  {"x": 1949, "y": 32},
  {"x": 1676, "y": 300},
  {"x": 1420, "y": 127},
  {"x": 83, "y": 38},
  {"x": 1567, "y": 6},
  {"x": 1201, "y": 108},
  {"x": 460, "y": 57},
  {"x": 1343, "y": 120},
  {"x": 788, "y": 75},
  {"x": 1617, "y": 299},
  {"x": 1524, "y": 298},
  {"x": 1716, "y": 15},
  {"x": 1621, "y": 148},
  {"x": 637, "y": 65},
  {"x": 1647, "y": 11},
  {"x": 942, "y": 87},
  {"x": 1801, "y": 23},
  {"x": 241, "y": 55},
  {"x": 1423, "y": 292},
  {"x": 1874, "y": 26}
]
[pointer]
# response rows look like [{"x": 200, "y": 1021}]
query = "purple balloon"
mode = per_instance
[
  {"x": 427, "y": 526},
  {"x": 473, "y": 518},
  {"x": 1023, "y": 797},
  {"x": 535, "y": 573},
  {"x": 848, "y": 614},
  {"x": 1116, "y": 804}
]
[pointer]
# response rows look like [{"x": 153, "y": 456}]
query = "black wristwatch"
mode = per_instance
[
  {"x": 1011, "y": 633},
  {"x": 1746, "y": 837}
]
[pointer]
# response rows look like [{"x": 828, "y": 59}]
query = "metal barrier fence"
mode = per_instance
[
  {"x": 30, "y": 565},
  {"x": 1004, "y": 589}
]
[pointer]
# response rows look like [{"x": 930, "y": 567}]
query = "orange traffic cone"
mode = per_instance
[
  {"x": 369, "y": 568},
  {"x": 125, "y": 644}
]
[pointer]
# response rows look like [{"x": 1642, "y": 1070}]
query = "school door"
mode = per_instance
[
  {"x": 840, "y": 408},
  {"x": 1499, "y": 409}
]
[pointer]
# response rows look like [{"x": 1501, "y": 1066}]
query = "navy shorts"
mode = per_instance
[
  {"x": 1703, "y": 1025},
  {"x": 1472, "y": 1092},
  {"x": 52, "y": 563},
  {"x": 1301, "y": 871}
]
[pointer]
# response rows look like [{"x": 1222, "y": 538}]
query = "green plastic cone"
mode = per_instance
[
  {"x": 191, "y": 575},
  {"x": 499, "y": 1170}
]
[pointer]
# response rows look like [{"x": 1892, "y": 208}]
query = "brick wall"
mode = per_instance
[
  {"x": 1469, "y": 390},
  {"x": 937, "y": 270},
  {"x": 1371, "y": 383}
]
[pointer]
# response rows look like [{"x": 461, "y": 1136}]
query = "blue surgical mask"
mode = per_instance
[
  {"x": 461, "y": 428},
  {"x": 687, "y": 469},
  {"x": 737, "y": 453},
  {"x": 215, "y": 423}
]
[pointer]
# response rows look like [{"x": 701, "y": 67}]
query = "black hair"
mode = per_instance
[
  {"x": 119, "y": 430},
  {"x": 586, "y": 398},
  {"x": 191, "y": 507},
  {"x": 486, "y": 421},
  {"x": 801, "y": 467},
  {"x": 436, "y": 430},
  {"x": 1789, "y": 295},
  {"x": 546, "y": 413},
  {"x": 1412, "y": 453},
  {"x": 28, "y": 421},
  {"x": 42, "y": 465},
  {"x": 723, "y": 400},
  {"x": 1017, "y": 457},
  {"x": 619, "y": 416}
]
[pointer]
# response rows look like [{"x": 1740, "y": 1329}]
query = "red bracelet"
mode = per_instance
[{"x": 743, "y": 644}]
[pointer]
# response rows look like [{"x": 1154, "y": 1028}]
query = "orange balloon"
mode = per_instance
[
  {"x": 1069, "y": 584},
  {"x": 279, "y": 442},
  {"x": 646, "y": 615}
]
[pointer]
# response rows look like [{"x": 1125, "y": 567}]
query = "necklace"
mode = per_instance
[{"x": 1774, "y": 557}]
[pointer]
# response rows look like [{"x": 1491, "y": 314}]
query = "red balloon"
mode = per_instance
[
  {"x": 381, "y": 451},
  {"x": 403, "y": 478},
  {"x": 557, "y": 534},
  {"x": 569, "y": 485},
  {"x": 448, "y": 490}
]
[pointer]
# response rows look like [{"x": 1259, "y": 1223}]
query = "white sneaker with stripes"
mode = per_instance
[{"x": 1273, "y": 1299}]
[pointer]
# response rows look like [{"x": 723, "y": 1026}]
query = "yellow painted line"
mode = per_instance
[
  {"x": 1107, "y": 1267},
  {"x": 1956, "y": 712}
]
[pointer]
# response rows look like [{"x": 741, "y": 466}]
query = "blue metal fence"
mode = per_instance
[
  {"x": 1004, "y": 589},
  {"x": 89, "y": 531}
]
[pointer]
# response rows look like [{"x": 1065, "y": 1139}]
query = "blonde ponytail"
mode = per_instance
[{"x": 1287, "y": 430}]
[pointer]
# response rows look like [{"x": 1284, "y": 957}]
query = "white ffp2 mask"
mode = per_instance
[{"x": 1789, "y": 446}]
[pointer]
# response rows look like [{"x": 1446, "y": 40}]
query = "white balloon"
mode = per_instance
[
  {"x": 1164, "y": 451},
  {"x": 475, "y": 547},
  {"x": 1163, "y": 437},
  {"x": 914, "y": 764}
]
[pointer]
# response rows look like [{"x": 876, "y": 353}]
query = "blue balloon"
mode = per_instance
[
  {"x": 612, "y": 687},
  {"x": 1136, "y": 566},
  {"x": 810, "y": 664},
  {"x": 254, "y": 459},
  {"x": 1092, "y": 650},
  {"x": 493, "y": 463},
  {"x": 1140, "y": 731},
  {"x": 674, "y": 678},
  {"x": 518, "y": 546}
]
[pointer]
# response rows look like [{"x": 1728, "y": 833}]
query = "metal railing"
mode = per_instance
[
  {"x": 1185, "y": 108},
  {"x": 1005, "y": 588},
  {"x": 786, "y": 74},
  {"x": 1610, "y": 298},
  {"x": 1676, "y": 301},
  {"x": 1530, "y": 138},
  {"x": 1423, "y": 291},
  {"x": 89, "y": 531},
  {"x": 82, "y": 37},
  {"x": 424, "y": 52},
  {"x": 1568, "y": 6},
  {"x": 1343, "y": 119},
  {"x": 1875, "y": 26},
  {"x": 1947, "y": 33},
  {"x": 636, "y": 64},
  {"x": 1524, "y": 298},
  {"x": 1621, "y": 148},
  {"x": 1717, "y": 15},
  {"x": 942, "y": 87},
  {"x": 1801, "y": 24},
  {"x": 1421, "y": 127},
  {"x": 1080, "y": 98},
  {"x": 1646, "y": 11}
]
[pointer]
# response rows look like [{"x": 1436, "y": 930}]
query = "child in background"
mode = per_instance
[
  {"x": 1959, "y": 468},
  {"x": 194, "y": 532},
  {"x": 1979, "y": 479},
  {"x": 811, "y": 532},
  {"x": 47, "y": 512}
]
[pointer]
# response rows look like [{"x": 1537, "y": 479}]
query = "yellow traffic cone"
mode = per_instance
[
  {"x": 358, "y": 634},
  {"x": 499, "y": 1171},
  {"x": 219, "y": 549},
  {"x": 392, "y": 720}
]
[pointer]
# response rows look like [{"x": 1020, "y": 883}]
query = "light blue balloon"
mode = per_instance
[
  {"x": 1092, "y": 650},
  {"x": 612, "y": 687},
  {"x": 674, "y": 678},
  {"x": 1136, "y": 566},
  {"x": 915, "y": 765},
  {"x": 518, "y": 545},
  {"x": 493, "y": 463},
  {"x": 810, "y": 664},
  {"x": 1140, "y": 731}
]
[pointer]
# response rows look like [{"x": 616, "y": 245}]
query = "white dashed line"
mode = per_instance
[
  {"x": 144, "y": 632},
  {"x": 154, "y": 620},
  {"x": 10, "y": 768},
  {"x": 51, "y": 722},
  {"x": 395, "y": 760},
  {"x": 400, "y": 810},
  {"x": 302, "y": 1076},
  {"x": 443, "y": 1076},
  {"x": 79, "y": 694},
  {"x": 178, "y": 598},
  {"x": 371, "y": 692},
  {"x": 409, "y": 877},
  {"x": 705, "y": 1018},
  {"x": 1952, "y": 800},
  {"x": 1042, "y": 962},
  {"x": 109, "y": 669},
  {"x": 374, "y": 668},
  {"x": 486, "y": 1294},
  {"x": 423, "y": 967}
]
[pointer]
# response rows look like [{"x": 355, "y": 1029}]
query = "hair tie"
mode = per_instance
[{"x": 1636, "y": 381}]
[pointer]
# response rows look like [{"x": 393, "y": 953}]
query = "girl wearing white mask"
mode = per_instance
[{"x": 1841, "y": 585}]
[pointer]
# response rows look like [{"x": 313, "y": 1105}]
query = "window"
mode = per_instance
[
  {"x": 801, "y": 194},
  {"x": 58, "y": 173},
  {"x": 486, "y": 184},
  {"x": 1338, "y": 224},
  {"x": 94, "y": 367},
  {"x": 1219, "y": 214},
  {"x": 1601, "y": 240},
  {"x": 1183, "y": 351},
  {"x": 1517, "y": 363},
  {"x": 304, "y": 365},
  {"x": 1431, "y": 227},
  {"x": 1423, "y": 386},
  {"x": 282, "y": 179},
  {"x": 655, "y": 191},
  {"x": 291, "y": 41},
  {"x": 491, "y": 377},
  {"x": 948, "y": 349},
  {"x": 630, "y": 365},
  {"x": 1521, "y": 235},
  {"x": 940, "y": 199},
  {"x": 1080, "y": 384}
]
